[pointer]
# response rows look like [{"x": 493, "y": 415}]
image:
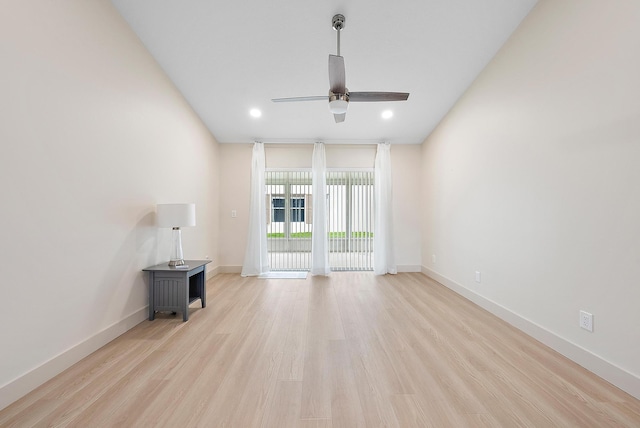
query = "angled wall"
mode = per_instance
[
  {"x": 532, "y": 179},
  {"x": 93, "y": 136}
]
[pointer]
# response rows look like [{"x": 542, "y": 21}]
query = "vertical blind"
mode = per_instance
[
  {"x": 350, "y": 215},
  {"x": 289, "y": 219}
]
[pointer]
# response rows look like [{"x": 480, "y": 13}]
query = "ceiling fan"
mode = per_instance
[{"x": 339, "y": 96}]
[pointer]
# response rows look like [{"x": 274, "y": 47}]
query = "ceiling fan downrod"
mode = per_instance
[{"x": 338, "y": 24}]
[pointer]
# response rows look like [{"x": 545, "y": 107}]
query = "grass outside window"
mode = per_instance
[{"x": 332, "y": 235}]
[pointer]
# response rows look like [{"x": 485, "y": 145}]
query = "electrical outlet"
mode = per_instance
[
  {"x": 234, "y": 213},
  {"x": 433, "y": 258},
  {"x": 478, "y": 279},
  {"x": 586, "y": 321}
]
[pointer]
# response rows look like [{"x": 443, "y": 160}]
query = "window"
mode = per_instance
[
  {"x": 297, "y": 209},
  {"x": 277, "y": 209}
]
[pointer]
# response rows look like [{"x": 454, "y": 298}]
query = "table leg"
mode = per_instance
[{"x": 203, "y": 288}]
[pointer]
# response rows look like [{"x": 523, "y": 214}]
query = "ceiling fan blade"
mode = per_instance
[
  {"x": 293, "y": 99},
  {"x": 337, "y": 81},
  {"x": 339, "y": 117},
  {"x": 368, "y": 97}
]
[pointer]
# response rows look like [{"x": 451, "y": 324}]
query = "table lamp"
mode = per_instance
[{"x": 176, "y": 216}]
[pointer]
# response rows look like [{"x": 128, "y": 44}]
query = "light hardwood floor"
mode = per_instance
[{"x": 350, "y": 350}]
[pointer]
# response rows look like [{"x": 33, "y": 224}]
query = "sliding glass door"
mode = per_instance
[
  {"x": 290, "y": 219},
  {"x": 350, "y": 219}
]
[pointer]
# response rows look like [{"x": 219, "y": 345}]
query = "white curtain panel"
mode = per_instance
[
  {"x": 384, "y": 259},
  {"x": 256, "y": 260},
  {"x": 319, "y": 237}
]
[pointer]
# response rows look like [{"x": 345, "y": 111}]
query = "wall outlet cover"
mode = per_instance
[{"x": 586, "y": 321}]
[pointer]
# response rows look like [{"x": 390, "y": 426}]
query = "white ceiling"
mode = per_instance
[{"x": 228, "y": 57}]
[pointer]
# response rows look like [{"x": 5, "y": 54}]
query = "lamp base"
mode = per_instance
[{"x": 176, "y": 259}]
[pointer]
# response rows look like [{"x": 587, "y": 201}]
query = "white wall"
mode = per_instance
[
  {"x": 533, "y": 180},
  {"x": 93, "y": 136},
  {"x": 407, "y": 172},
  {"x": 235, "y": 187},
  {"x": 235, "y": 174}
]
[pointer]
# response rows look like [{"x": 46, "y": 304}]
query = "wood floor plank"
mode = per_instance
[
  {"x": 372, "y": 359},
  {"x": 345, "y": 405},
  {"x": 443, "y": 413},
  {"x": 249, "y": 362},
  {"x": 292, "y": 365},
  {"x": 408, "y": 412},
  {"x": 315, "y": 423},
  {"x": 259, "y": 396},
  {"x": 316, "y": 395},
  {"x": 285, "y": 405},
  {"x": 193, "y": 379},
  {"x": 352, "y": 349}
]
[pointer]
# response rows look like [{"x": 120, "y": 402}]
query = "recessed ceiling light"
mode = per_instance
[
  {"x": 387, "y": 114},
  {"x": 254, "y": 112}
]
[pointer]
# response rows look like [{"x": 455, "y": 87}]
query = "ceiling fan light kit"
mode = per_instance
[
  {"x": 338, "y": 103},
  {"x": 339, "y": 96}
]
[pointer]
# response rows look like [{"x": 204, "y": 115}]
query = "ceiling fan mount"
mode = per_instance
[
  {"x": 337, "y": 22},
  {"x": 339, "y": 96}
]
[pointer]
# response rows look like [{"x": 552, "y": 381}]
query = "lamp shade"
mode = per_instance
[{"x": 176, "y": 215}]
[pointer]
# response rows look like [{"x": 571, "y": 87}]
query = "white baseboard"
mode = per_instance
[
  {"x": 212, "y": 272},
  {"x": 230, "y": 269},
  {"x": 617, "y": 376},
  {"x": 26, "y": 383},
  {"x": 238, "y": 269},
  {"x": 409, "y": 268}
]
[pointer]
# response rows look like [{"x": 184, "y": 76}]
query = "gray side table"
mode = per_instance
[{"x": 173, "y": 289}]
